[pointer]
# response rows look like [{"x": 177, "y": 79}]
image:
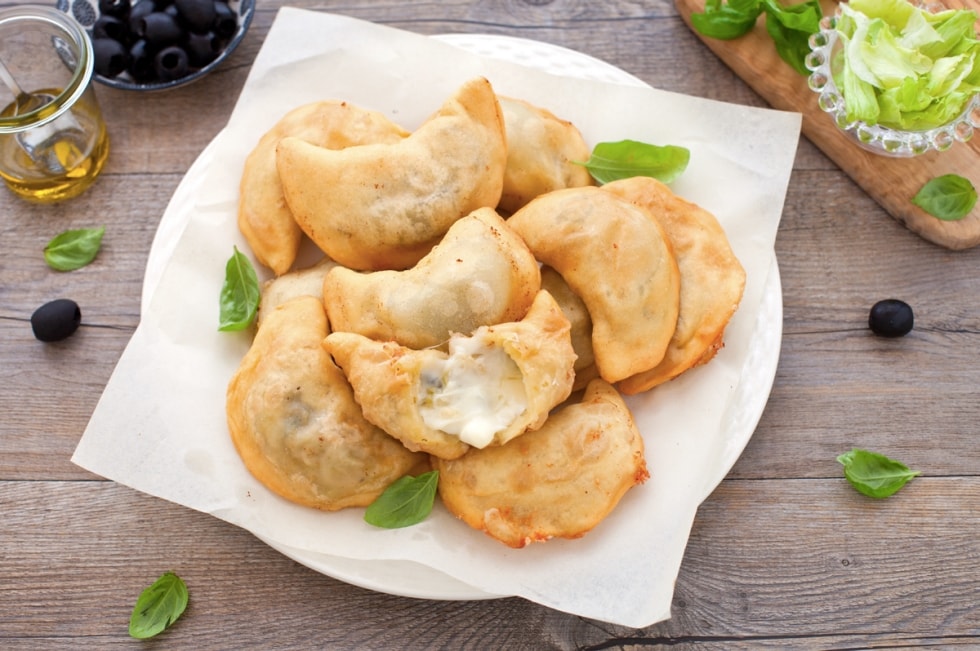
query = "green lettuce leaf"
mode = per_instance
[{"x": 904, "y": 67}]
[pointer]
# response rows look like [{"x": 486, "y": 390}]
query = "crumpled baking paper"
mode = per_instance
[{"x": 160, "y": 425}]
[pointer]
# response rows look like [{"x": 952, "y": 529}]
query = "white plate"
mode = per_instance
[{"x": 406, "y": 578}]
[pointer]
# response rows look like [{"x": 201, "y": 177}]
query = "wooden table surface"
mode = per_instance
[{"x": 783, "y": 555}]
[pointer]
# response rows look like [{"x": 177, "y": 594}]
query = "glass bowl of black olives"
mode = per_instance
[{"x": 159, "y": 44}]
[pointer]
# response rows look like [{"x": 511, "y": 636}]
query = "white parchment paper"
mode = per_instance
[{"x": 160, "y": 425}]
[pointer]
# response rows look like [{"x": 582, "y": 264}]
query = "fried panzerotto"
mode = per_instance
[
  {"x": 712, "y": 279},
  {"x": 616, "y": 257},
  {"x": 300, "y": 282},
  {"x": 481, "y": 273},
  {"x": 263, "y": 216},
  {"x": 492, "y": 385},
  {"x": 541, "y": 154},
  {"x": 558, "y": 481},
  {"x": 581, "y": 325},
  {"x": 294, "y": 421},
  {"x": 385, "y": 206}
]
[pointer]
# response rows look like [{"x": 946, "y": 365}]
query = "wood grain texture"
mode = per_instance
[
  {"x": 75, "y": 560},
  {"x": 892, "y": 182},
  {"x": 783, "y": 555}
]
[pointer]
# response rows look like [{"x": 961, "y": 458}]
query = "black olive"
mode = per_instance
[
  {"x": 139, "y": 10},
  {"x": 115, "y": 8},
  {"x": 225, "y": 20},
  {"x": 197, "y": 15},
  {"x": 170, "y": 63},
  {"x": 891, "y": 318},
  {"x": 110, "y": 27},
  {"x": 56, "y": 320},
  {"x": 141, "y": 66},
  {"x": 110, "y": 55},
  {"x": 202, "y": 49},
  {"x": 161, "y": 29}
]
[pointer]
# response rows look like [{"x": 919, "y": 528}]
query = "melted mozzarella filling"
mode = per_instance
[{"x": 473, "y": 394}]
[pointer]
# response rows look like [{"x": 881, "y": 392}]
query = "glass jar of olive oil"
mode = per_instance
[{"x": 53, "y": 141}]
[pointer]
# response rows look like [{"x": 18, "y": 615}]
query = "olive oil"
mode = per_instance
[{"x": 57, "y": 160}]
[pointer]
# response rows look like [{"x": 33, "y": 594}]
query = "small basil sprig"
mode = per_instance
[
  {"x": 949, "y": 197},
  {"x": 158, "y": 606},
  {"x": 873, "y": 474},
  {"x": 789, "y": 26},
  {"x": 73, "y": 249},
  {"x": 611, "y": 161},
  {"x": 240, "y": 293},
  {"x": 407, "y": 501}
]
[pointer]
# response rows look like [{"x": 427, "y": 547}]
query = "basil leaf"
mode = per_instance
[
  {"x": 239, "y": 294},
  {"x": 726, "y": 21},
  {"x": 873, "y": 474},
  {"x": 790, "y": 28},
  {"x": 158, "y": 606},
  {"x": 73, "y": 249},
  {"x": 948, "y": 197},
  {"x": 407, "y": 501},
  {"x": 619, "y": 160}
]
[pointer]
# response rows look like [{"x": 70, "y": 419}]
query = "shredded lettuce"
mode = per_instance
[{"x": 904, "y": 67}]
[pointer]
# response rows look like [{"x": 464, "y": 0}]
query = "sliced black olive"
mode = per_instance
[
  {"x": 202, "y": 49},
  {"x": 197, "y": 15},
  {"x": 225, "y": 20},
  {"x": 161, "y": 29},
  {"x": 110, "y": 55},
  {"x": 56, "y": 320},
  {"x": 115, "y": 8},
  {"x": 170, "y": 63},
  {"x": 110, "y": 27},
  {"x": 891, "y": 318}
]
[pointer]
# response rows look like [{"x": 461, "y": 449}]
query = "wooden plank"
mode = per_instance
[
  {"x": 801, "y": 564},
  {"x": 892, "y": 182}
]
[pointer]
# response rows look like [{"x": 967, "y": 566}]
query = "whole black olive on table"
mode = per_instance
[
  {"x": 891, "y": 318},
  {"x": 56, "y": 320}
]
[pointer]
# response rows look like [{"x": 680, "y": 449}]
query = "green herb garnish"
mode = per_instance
[
  {"x": 611, "y": 161},
  {"x": 949, "y": 197},
  {"x": 405, "y": 502},
  {"x": 873, "y": 474},
  {"x": 73, "y": 249},
  {"x": 727, "y": 21},
  {"x": 239, "y": 294},
  {"x": 158, "y": 606},
  {"x": 790, "y": 27}
]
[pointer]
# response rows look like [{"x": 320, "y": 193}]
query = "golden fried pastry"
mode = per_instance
[
  {"x": 712, "y": 279},
  {"x": 481, "y": 273},
  {"x": 542, "y": 151},
  {"x": 263, "y": 216},
  {"x": 559, "y": 481},
  {"x": 385, "y": 206},
  {"x": 578, "y": 316},
  {"x": 491, "y": 387},
  {"x": 300, "y": 282},
  {"x": 295, "y": 423},
  {"x": 618, "y": 260}
]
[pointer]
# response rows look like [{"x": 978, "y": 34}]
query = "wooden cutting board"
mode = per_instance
[{"x": 892, "y": 182}]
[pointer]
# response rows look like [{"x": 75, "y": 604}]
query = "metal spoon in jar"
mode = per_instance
[{"x": 23, "y": 102}]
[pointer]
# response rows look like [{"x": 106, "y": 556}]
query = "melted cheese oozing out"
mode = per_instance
[{"x": 473, "y": 394}]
